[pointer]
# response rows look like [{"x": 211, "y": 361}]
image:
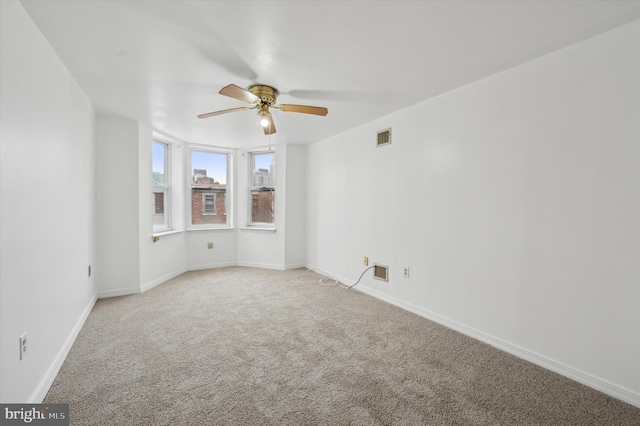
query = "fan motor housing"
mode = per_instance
[{"x": 267, "y": 94}]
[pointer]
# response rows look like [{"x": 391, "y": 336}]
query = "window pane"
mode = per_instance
[
  {"x": 263, "y": 170},
  {"x": 159, "y": 162},
  {"x": 158, "y": 203},
  {"x": 208, "y": 188},
  {"x": 262, "y": 187},
  {"x": 262, "y": 203},
  {"x": 159, "y": 207},
  {"x": 158, "y": 154}
]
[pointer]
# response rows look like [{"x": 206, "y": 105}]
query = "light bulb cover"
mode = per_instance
[{"x": 264, "y": 118}]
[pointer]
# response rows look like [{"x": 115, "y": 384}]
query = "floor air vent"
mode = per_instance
[
  {"x": 381, "y": 272},
  {"x": 384, "y": 137}
]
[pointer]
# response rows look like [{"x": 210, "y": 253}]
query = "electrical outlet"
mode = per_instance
[
  {"x": 405, "y": 272},
  {"x": 366, "y": 261},
  {"x": 23, "y": 346},
  {"x": 209, "y": 245}
]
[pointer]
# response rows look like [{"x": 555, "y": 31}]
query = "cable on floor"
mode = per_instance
[{"x": 313, "y": 277}]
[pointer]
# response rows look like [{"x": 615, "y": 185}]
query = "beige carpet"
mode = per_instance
[{"x": 243, "y": 346}]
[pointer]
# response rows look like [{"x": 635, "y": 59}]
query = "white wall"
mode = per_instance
[
  {"x": 514, "y": 200},
  {"x": 223, "y": 253},
  {"x": 130, "y": 261},
  {"x": 294, "y": 207},
  {"x": 166, "y": 258},
  {"x": 48, "y": 207},
  {"x": 118, "y": 197}
]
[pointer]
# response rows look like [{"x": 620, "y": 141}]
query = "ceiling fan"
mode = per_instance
[{"x": 262, "y": 98}]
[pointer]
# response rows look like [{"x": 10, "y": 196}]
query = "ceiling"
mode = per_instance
[{"x": 163, "y": 62}]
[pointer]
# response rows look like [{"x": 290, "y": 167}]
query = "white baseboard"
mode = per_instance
[
  {"x": 158, "y": 281},
  {"x": 210, "y": 266},
  {"x": 247, "y": 264},
  {"x": 119, "y": 292},
  {"x": 294, "y": 266},
  {"x": 343, "y": 280},
  {"x": 261, "y": 265},
  {"x": 148, "y": 286},
  {"x": 579, "y": 376},
  {"x": 45, "y": 384},
  {"x": 144, "y": 287}
]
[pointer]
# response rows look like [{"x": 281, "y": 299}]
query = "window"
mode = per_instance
[
  {"x": 160, "y": 177},
  {"x": 262, "y": 188},
  {"x": 209, "y": 188},
  {"x": 208, "y": 203}
]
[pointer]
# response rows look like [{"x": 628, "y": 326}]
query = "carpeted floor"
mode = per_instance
[{"x": 244, "y": 346}]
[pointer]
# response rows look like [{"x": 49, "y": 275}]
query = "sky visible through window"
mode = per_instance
[
  {"x": 157, "y": 154},
  {"x": 263, "y": 161},
  {"x": 215, "y": 165}
]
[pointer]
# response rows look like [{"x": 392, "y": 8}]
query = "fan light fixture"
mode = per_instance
[{"x": 262, "y": 98}]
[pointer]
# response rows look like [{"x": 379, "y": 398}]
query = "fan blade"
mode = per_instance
[
  {"x": 239, "y": 93},
  {"x": 270, "y": 128},
  {"x": 224, "y": 111},
  {"x": 305, "y": 109}
]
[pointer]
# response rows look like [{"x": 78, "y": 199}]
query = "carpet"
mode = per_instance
[{"x": 248, "y": 346}]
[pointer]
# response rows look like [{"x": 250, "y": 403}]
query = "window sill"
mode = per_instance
[
  {"x": 257, "y": 228},
  {"x": 157, "y": 235},
  {"x": 228, "y": 228}
]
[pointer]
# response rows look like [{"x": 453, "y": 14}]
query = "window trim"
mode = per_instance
[
  {"x": 164, "y": 188},
  {"x": 228, "y": 192},
  {"x": 252, "y": 189}
]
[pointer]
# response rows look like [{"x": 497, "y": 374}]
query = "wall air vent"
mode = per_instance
[
  {"x": 384, "y": 137},
  {"x": 381, "y": 272}
]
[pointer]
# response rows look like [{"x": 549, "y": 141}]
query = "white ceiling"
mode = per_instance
[{"x": 163, "y": 62}]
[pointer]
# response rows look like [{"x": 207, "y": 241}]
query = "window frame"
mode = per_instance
[
  {"x": 228, "y": 202},
  {"x": 164, "y": 188},
  {"x": 263, "y": 188}
]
